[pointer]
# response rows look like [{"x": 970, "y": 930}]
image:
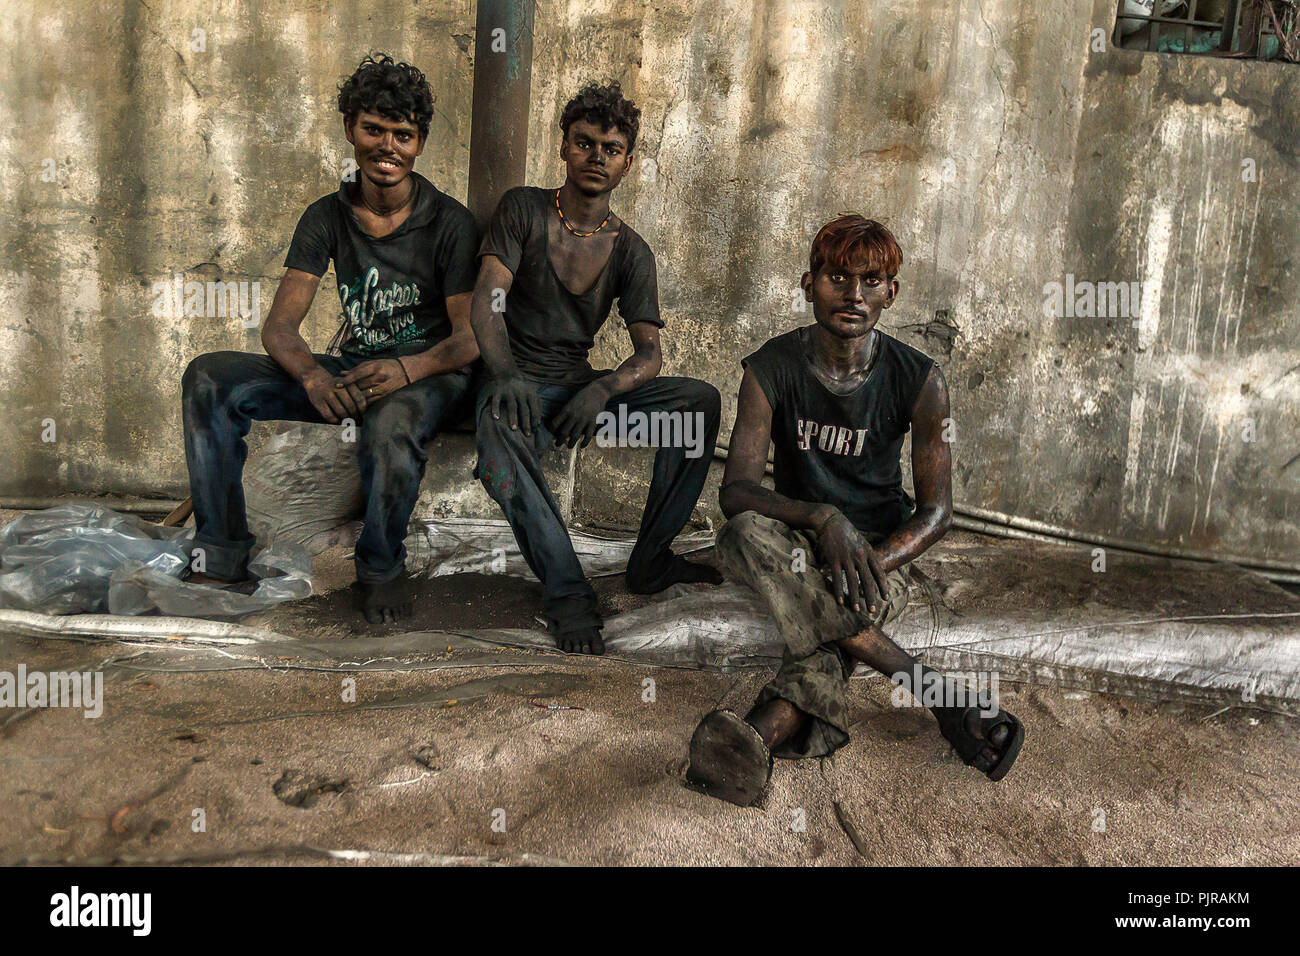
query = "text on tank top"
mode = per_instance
[{"x": 842, "y": 449}]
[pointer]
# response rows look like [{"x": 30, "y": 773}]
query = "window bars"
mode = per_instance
[{"x": 1249, "y": 29}]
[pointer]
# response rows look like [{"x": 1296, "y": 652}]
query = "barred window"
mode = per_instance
[{"x": 1251, "y": 29}]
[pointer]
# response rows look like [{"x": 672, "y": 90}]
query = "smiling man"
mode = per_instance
[
  {"x": 404, "y": 257},
  {"x": 551, "y": 266},
  {"x": 825, "y": 549}
]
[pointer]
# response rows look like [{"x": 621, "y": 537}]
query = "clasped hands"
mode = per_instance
[{"x": 337, "y": 397}]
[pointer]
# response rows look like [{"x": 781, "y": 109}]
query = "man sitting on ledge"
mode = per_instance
[
  {"x": 403, "y": 254},
  {"x": 552, "y": 263},
  {"x": 826, "y": 548}
]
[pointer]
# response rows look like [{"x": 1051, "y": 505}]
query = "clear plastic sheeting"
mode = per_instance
[
  {"x": 1144, "y": 627},
  {"x": 283, "y": 572},
  {"x": 488, "y": 546},
  {"x": 172, "y": 631},
  {"x": 61, "y": 560},
  {"x": 81, "y": 557}
]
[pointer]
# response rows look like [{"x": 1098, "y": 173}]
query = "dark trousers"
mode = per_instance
[
  {"x": 223, "y": 393},
  {"x": 758, "y": 552},
  {"x": 509, "y": 466}
]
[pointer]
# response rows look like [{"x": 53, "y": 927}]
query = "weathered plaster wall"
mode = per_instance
[
  {"x": 1005, "y": 154},
  {"x": 170, "y": 160},
  {"x": 1002, "y": 150}
]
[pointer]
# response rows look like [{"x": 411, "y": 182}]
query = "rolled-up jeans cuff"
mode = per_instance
[
  {"x": 225, "y": 560},
  {"x": 368, "y": 575}
]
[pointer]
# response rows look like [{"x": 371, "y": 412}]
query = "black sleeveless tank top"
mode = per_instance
[{"x": 842, "y": 449}]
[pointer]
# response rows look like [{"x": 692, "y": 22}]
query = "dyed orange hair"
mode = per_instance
[{"x": 852, "y": 241}]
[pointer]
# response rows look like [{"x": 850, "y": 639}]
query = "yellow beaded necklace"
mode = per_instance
[{"x": 580, "y": 235}]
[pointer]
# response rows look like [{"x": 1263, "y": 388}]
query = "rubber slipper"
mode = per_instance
[
  {"x": 970, "y": 748},
  {"x": 729, "y": 759}
]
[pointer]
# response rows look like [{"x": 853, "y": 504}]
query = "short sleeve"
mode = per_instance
[
  {"x": 638, "y": 296},
  {"x": 457, "y": 262},
  {"x": 312, "y": 246},
  {"x": 508, "y": 230}
]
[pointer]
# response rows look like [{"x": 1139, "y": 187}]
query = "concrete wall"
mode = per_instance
[
  {"x": 1005, "y": 153},
  {"x": 171, "y": 160},
  {"x": 1002, "y": 149}
]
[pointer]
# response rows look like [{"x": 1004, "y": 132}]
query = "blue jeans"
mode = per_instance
[
  {"x": 223, "y": 393},
  {"x": 509, "y": 466}
]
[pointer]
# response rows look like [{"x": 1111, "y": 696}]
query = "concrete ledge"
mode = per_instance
[{"x": 302, "y": 483}]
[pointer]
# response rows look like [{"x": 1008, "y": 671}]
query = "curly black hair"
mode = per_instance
[
  {"x": 606, "y": 107},
  {"x": 396, "y": 90}
]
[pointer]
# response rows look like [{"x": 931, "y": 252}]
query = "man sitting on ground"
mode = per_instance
[
  {"x": 403, "y": 255},
  {"x": 555, "y": 260},
  {"x": 825, "y": 549}
]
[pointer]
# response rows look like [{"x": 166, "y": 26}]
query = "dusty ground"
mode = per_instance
[{"x": 424, "y": 763}]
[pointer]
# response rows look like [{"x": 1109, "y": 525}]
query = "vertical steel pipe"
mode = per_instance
[{"x": 503, "y": 68}]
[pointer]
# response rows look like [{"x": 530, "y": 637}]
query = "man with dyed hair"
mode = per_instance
[{"x": 826, "y": 549}]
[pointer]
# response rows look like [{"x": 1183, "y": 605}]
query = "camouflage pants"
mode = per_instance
[{"x": 780, "y": 563}]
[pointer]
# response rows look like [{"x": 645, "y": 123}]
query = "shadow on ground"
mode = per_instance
[{"x": 470, "y": 761}]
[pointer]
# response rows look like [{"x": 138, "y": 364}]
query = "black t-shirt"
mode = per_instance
[
  {"x": 393, "y": 288},
  {"x": 552, "y": 330},
  {"x": 842, "y": 449}
]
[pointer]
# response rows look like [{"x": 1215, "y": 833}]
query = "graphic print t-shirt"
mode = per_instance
[
  {"x": 842, "y": 449},
  {"x": 552, "y": 330},
  {"x": 393, "y": 288}
]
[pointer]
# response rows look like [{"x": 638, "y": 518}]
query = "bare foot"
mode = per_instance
[
  {"x": 680, "y": 571},
  {"x": 386, "y": 602},
  {"x": 208, "y": 579},
  {"x": 244, "y": 586},
  {"x": 729, "y": 759},
  {"x": 586, "y": 640}
]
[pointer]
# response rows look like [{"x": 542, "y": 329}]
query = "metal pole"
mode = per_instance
[{"x": 503, "y": 68}]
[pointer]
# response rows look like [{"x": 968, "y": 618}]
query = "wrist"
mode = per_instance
[
  {"x": 308, "y": 373},
  {"x": 824, "y": 516},
  {"x": 406, "y": 370}
]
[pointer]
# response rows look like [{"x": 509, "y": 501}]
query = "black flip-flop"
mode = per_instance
[
  {"x": 729, "y": 759},
  {"x": 970, "y": 748}
]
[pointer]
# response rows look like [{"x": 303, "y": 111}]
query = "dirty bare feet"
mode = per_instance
[
  {"x": 384, "y": 602},
  {"x": 584, "y": 640},
  {"x": 729, "y": 759},
  {"x": 243, "y": 586},
  {"x": 680, "y": 571}
]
